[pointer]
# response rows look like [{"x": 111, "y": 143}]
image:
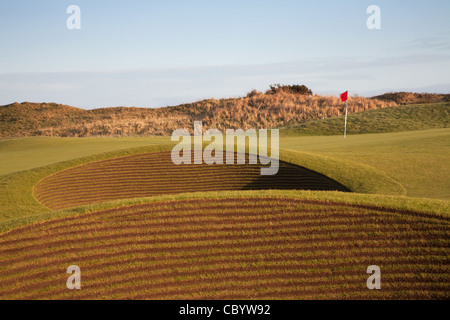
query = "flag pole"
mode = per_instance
[{"x": 345, "y": 126}]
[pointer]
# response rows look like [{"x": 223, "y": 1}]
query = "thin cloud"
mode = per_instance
[
  {"x": 161, "y": 87},
  {"x": 437, "y": 42}
]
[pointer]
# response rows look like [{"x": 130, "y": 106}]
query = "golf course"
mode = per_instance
[{"x": 141, "y": 227}]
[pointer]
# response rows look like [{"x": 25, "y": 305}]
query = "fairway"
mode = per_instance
[
  {"x": 28, "y": 153},
  {"x": 256, "y": 248}
]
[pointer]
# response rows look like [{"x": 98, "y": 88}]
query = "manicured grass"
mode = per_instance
[
  {"x": 18, "y": 198},
  {"x": 418, "y": 160},
  {"x": 257, "y": 245},
  {"x": 393, "y": 119},
  {"x": 28, "y": 153},
  {"x": 17, "y": 188},
  {"x": 154, "y": 174},
  {"x": 357, "y": 177},
  {"x": 439, "y": 208}
]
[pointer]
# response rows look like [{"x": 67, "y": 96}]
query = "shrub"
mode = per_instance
[
  {"x": 253, "y": 93},
  {"x": 294, "y": 89}
]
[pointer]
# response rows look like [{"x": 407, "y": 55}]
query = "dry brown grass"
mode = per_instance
[
  {"x": 255, "y": 111},
  {"x": 413, "y": 98}
]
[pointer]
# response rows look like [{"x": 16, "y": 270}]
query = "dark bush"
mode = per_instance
[{"x": 295, "y": 89}]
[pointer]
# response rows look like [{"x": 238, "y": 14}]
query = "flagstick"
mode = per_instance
[{"x": 345, "y": 127}]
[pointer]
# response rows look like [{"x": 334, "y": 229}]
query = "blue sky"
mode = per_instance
[{"x": 158, "y": 53}]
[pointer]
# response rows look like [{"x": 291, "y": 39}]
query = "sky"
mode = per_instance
[{"x": 158, "y": 53}]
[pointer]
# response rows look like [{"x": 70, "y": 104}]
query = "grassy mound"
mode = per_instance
[
  {"x": 394, "y": 119},
  {"x": 150, "y": 174},
  {"x": 18, "y": 201},
  {"x": 264, "y": 245},
  {"x": 413, "y": 97}
]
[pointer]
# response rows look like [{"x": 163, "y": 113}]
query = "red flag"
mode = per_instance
[{"x": 344, "y": 96}]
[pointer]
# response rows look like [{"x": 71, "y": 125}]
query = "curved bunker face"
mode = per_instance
[
  {"x": 150, "y": 174},
  {"x": 230, "y": 248}
]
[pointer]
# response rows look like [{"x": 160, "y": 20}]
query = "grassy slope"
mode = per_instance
[
  {"x": 17, "y": 199},
  {"x": 417, "y": 159},
  {"x": 437, "y": 207},
  {"x": 17, "y": 188},
  {"x": 358, "y": 177},
  {"x": 269, "y": 248},
  {"x": 27, "y": 153},
  {"x": 394, "y": 119}
]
